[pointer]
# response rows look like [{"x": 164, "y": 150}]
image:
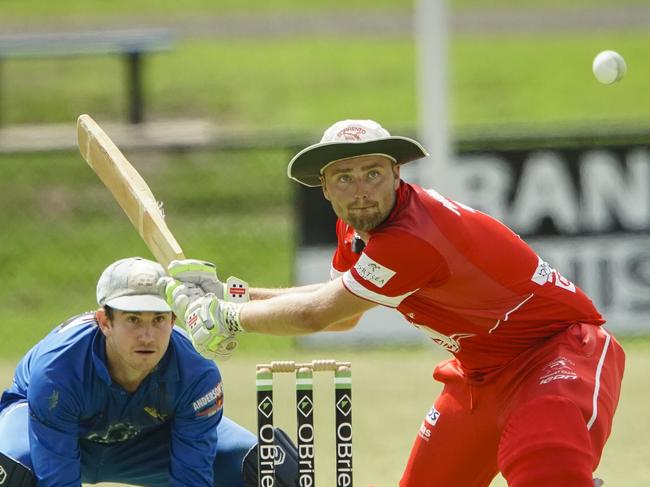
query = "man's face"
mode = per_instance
[
  {"x": 362, "y": 190},
  {"x": 136, "y": 340}
]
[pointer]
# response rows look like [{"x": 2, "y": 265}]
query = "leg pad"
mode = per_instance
[{"x": 14, "y": 474}]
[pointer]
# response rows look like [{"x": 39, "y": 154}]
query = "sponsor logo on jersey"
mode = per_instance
[
  {"x": 424, "y": 432},
  {"x": 153, "y": 412},
  {"x": 115, "y": 433},
  {"x": 430, "y": 420},
  {"x": 560, "y": 368},
  {"x": 373, "y": 272},
  {"x": 210, "y": 403},
  {"x": 449, "y": 204},
  {"x": 53, "y": 400},
  {"x": 545, "y": 273},
  {"x": 432, "y": 416},
  {"x": 450, "y": 343}
]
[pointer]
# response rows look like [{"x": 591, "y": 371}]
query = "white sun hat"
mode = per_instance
[
  {"x": 351, "y": 138},
  {"x": 131, "y": 285}
]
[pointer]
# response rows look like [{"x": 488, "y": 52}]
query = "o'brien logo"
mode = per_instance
[
  {"x": 306, "y": 454},
  {"x": 305, "y": 407},
  {"x": 267, "y": 453},
  {"x": 344, "y": 405},
  {"x": 266, "y": 407},
  {"x": 344, "y": 454},
  {"x": 351, "y": 133},
  {"x": 372, "y": 271}
]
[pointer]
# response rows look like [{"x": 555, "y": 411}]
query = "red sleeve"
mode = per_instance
[{"x": 393, "y": 266}]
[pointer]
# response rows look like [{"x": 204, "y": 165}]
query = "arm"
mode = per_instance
[
  {"x": 213, "y": 323},
  {"x": 267, "y": 293},
  {"x": 194, "y": 433},
  {"x": 328, "y": 306},
  {"x": 53, "y": 434}
]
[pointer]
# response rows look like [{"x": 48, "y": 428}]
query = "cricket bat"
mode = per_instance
[{"x": 129, "y": 190}]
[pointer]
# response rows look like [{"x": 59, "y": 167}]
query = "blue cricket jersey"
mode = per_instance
[{"x": 72, "y": 399}]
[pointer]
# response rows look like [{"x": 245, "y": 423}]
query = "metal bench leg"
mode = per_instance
[{"x": 134, "y": 84}]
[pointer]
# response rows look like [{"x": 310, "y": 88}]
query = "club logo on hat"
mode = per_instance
[
  {"x": 351, "y": 132},
  {"x": 142, "y": 282}
]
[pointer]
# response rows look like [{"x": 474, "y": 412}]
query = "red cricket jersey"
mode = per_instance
[{"x": 462, "y": 277}]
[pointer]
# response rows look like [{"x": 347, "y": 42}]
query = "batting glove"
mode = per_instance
[
  {"x": 179, "y": 294},
  {"x": 199, "y": 275},
  {"x": 192, "y": 279},
  {"x": 198, "y": 272},
  {"x": 212, "y": 324}
]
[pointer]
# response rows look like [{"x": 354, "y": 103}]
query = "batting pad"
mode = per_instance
[{"x": 14, "y": 474}]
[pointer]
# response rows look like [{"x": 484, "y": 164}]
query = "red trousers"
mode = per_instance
[{"x": 550, "y": 408}]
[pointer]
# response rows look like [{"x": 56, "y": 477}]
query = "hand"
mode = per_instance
[
  {"x": 212, "y": 324},
  {"x": 200, "y": 273},
  {"x": 192, "y": 279},
  {"x": 179, "y": 295}
]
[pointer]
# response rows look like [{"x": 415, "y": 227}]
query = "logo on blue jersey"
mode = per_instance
[
  {"x": 53, "y": 399},
  {"x": 210, "y": 403},
  {"x": 153, "y": 412},
  {"x": 115, "y": 433}
]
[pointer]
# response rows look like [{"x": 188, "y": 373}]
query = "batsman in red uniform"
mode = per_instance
[{"x": 535, "y": 379}]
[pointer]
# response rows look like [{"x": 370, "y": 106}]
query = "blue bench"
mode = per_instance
[{"x": 132, "y": 45}]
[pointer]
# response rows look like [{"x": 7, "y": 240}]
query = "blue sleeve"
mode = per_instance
[
  {"x": 53, "y": 433},
  {"x": 194, "y": 431}
]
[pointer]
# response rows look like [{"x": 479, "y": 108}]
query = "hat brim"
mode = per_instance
[
  {"x": 143, "y": 302},
  {"x": 306, "y": 166}
]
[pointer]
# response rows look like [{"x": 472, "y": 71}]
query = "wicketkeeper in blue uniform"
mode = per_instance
[{"x": 119, "y": 395}]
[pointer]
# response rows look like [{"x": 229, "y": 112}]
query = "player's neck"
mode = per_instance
[
  {"x": 122, "y": 374},
  {"x": 129, "y": 384}
]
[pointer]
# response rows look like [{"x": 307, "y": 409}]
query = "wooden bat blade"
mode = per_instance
[{"x": 128, "y": 188}]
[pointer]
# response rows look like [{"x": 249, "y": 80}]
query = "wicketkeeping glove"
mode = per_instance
[{"x": 212, "y": 324}]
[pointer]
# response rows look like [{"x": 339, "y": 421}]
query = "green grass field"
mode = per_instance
[
  {"x": 392, "y": 391},
  {"x": 497, "y": 80}
]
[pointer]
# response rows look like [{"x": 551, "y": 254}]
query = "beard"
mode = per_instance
[{"x": 364, "y": 221}]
